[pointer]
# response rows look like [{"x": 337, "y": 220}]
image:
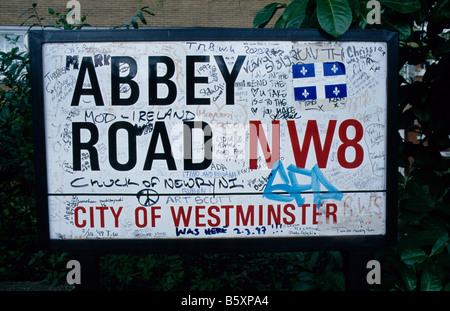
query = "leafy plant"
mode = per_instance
[
  {"x": 135, "y": 18},
  {"x": 228, "y": 271},
  {"x": 17, "y": 217},
  {"x": 333, "y": 16},
  {"x": 60, "y": 19},
  {"x": 19, "y": 257}
]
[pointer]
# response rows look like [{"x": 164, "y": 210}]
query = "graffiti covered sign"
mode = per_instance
[{"x": 213, "y": 139}]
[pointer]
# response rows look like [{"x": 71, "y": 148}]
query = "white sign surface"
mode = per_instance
[{"x": 215, "y": 139}]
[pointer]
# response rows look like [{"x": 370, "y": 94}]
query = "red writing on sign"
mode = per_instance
[
  {"x": 251, "y": 215},
  {"x": 322, "y": 150}
]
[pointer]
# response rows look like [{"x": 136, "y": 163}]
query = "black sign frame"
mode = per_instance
[{"x": 39, "y": 37}]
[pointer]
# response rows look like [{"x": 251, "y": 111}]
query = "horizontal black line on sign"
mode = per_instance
[{"x": 208, "y": 194}]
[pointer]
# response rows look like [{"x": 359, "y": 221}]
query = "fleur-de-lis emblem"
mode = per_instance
[
  {"x": 334, "y": 69},
  {"x": 336, "y": 91},
  {"x": 303, "y": 71}
]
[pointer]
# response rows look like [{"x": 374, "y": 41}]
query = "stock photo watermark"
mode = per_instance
[
  {"x": 74, "y": 275},
  {"x": 74, "y": 15},
  {"x": 374, "y": 15}
]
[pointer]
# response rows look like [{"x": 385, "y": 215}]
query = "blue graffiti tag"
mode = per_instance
[{"x": 290, "y": 188}]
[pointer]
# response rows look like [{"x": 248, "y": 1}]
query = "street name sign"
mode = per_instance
[{"x": 215, "y": 139}]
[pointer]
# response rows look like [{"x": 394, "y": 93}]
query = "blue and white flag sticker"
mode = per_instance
[
  {"x": 336, "y": 91},
  {"x": 303, "y": 71},
  {"x": 333, "y": 69},
  {"x": 319, "y": 81},
  {"x": 305, "y": 93}
]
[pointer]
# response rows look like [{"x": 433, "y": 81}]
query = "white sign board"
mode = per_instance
[{"x": 213, "y": 139}]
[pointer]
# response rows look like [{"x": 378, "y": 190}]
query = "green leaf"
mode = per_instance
[
  {"x": 422, "y": 14},
  {"x": 141, "y": 17},
  {"x": 432, "y": 277},
  {"x": 440, "y": 244},
  {"x": 402, "y": 6},
  {"x": 134, "y": 22},
  {"x": 337, "y": 256},
  {"x": 312, "y": 260},
  {"x": 335, "y": 16},
  {"x": 51, "y": 11},
  {"x": 306, "y": 282},
  {"x": 293, "y": 15},
  {"x": 144, "y": 9},
  {"x": 265, "y": 15},
  {"x": 413, "y": 255},
  {"x": 409, "y": 277},
  {"x": 410, "y": 252}
]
